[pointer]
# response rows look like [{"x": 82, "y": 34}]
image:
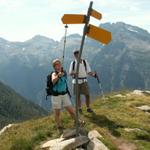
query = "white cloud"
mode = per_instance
[{"x": 22, "y": 19}]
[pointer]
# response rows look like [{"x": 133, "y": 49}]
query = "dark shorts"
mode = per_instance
[{"x": 83, "y": 88}]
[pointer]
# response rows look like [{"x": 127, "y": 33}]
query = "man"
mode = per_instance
[
  {"x": 60, "y": 95},
  {"x": 84, "y": 70}
]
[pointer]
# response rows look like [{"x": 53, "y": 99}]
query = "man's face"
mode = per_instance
[
  {"x": 57, "y": 66},
  {"x": 76, "y": 55}
]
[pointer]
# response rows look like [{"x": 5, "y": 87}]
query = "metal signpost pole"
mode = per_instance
[
  {"x": 78, "y": 64},
  {"x": 91, "y": 31}
]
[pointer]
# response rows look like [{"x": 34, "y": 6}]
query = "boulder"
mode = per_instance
[
  {"x": 51, "y": 143},
  {"x": 61, "y": 144},
  {"x": 138, "y": 92},
  {"x": 5, "y": 128},
  {"x": 119, "y": 96},
  {"x": 94, "y": 134},
  {"x": 146, "y": 93},
  {"x": 72, "y": 133},
  {"x": 73, "y": 143},
  {"x": 132, "y": 129},
  {"x": 96, "y": 144},
  {"x": 144, "y": 108}
]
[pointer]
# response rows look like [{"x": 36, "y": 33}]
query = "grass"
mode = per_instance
[{"x": 111, "y": 117}]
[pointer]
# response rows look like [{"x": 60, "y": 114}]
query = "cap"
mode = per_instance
[
  {"x": 76, "y": 51},
  {"x": 56, "y": 61}
]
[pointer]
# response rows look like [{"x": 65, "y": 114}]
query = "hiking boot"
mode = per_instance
[
  {"x": 89, "y": 110},
  {"x": 80, "y": 110}
]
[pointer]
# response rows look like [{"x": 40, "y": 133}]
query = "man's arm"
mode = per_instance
[
  {"x": 92, "y": 74},
  {"x": 89, "y": 72}
]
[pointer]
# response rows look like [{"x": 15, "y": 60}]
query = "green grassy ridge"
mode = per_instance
[
  {"x": 15, "y": 108},
  {"x": 110, "y": 118}
]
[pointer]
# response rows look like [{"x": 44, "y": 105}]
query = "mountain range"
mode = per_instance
[{"x": 122, "y": 64}]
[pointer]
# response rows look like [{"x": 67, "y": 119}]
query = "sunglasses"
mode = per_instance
[{"x": 76, "y": 53}]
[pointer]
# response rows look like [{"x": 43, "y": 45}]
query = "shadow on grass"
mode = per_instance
[
  {"x": 143, "y": 136},
  {"x": 103, "y": 121}
]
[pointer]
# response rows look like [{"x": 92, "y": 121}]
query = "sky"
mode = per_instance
[{"x": 20, "y": 20}]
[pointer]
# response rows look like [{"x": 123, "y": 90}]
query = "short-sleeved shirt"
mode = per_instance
[{"x": 83, "y": 72}]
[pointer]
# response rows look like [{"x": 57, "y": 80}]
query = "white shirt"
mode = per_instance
[{"x": 82, "y": 71}]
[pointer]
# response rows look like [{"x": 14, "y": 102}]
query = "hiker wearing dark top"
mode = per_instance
[
  {"x": 60, "y": 95},
  {"x": 84, "y": 71}
]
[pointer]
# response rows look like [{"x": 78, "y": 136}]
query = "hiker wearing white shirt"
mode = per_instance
[{"x": 84, "y": 71}]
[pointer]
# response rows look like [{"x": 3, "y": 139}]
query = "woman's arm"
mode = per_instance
[{"x": 55, "y": 78}]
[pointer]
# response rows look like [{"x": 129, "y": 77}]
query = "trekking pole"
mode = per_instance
[
  {"x": 63, "y": 57},
  {"x": 100, "y": 85}
]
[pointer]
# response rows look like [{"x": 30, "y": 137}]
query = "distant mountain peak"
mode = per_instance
[
  {"x": 74, "y": 35},
  {"x": 41, "y": 38},
  {"x": 38, "y": 36},
  {"x": 126, "y": 30},
  {"x": 3, "y": 40}
]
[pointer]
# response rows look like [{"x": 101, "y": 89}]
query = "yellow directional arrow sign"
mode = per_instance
[
  {"x": 73, "y": 19},
  {"x": 99, "y": 34},
  {"x": 96, "y": 14}
]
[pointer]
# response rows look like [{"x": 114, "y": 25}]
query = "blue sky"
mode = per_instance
[{"x": 22, "y": 19}]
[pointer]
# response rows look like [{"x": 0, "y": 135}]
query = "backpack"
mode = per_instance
[
  {"x": 84, "y": 62},
  {"x": 49, "y": 88}
]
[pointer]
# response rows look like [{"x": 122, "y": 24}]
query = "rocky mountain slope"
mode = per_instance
[
  {"x": 15, "y": 108},
  {"x": 124, "y": 63}
]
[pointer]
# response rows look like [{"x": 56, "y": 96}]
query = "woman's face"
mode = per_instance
[{"x": 57, "y": 66}]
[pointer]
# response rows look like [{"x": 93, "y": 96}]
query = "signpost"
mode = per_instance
[
  {"x": 96, "y": 14},
  {"x": 73, "y": 19},
  {"x": 99, "y": 34},
  {"x": 92, "y": 31}
]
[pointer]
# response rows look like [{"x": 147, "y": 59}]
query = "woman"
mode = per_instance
[{"x": 60, "y": 95}]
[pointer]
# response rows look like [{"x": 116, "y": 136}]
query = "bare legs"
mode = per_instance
[
  {"x": 57, "y": 115},
  {"x": 71, "y": 112},
  {"x": 87, "y": 101}
]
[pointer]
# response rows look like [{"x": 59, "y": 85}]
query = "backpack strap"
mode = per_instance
[
  {"x": 48, "y": 83},
  {"x": 65, "y": 73},
  {"x": 73, "y": 66},
  {"x": 68, "y": 92},
  {"x": 84, "y": 62},
  {"x": 68, "y": 89}
]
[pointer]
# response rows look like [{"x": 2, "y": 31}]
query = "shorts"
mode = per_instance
[
  {"x": 60, "y": 101},
  {"x": 83, "y": 88}
]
